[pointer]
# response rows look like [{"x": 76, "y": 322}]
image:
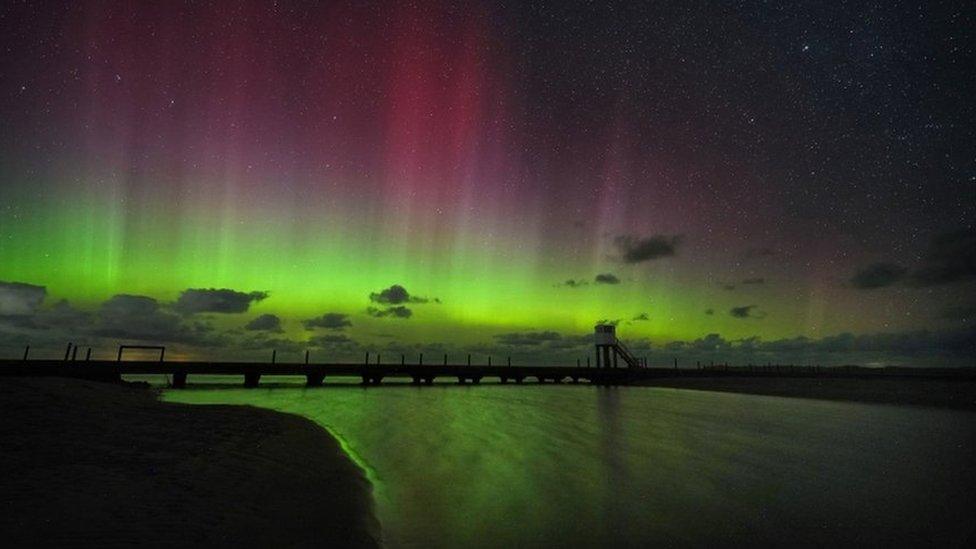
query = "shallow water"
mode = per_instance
[{"x": 628, "y": 466}]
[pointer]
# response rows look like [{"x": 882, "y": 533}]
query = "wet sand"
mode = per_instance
[
  {"x": 954, "y": 394},
  {"x": 88, "y": 463}
]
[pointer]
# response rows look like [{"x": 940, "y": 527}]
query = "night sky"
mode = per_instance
[{"x": 748, "y": 181}]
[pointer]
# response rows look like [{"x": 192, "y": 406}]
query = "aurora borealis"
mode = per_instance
[{"x": 742, "y": 182}]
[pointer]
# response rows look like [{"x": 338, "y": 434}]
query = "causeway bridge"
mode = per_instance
[
  {"x": 316, "y": 374},
  {"x": 615, "y": 365}
]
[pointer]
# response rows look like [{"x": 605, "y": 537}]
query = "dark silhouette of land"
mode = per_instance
[
  {"x": 106, "y": 464},
  {"x": 953, "y": 388}
]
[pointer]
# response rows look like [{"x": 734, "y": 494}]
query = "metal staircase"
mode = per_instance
[{"x": 624, "y": 353}]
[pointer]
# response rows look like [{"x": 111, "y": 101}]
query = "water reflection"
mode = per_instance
[{"x": 581, "y": 465}]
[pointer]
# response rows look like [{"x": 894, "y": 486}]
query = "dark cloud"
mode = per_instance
[
  {"x": 641, "y": 317},
  {"x": 951, "y": 257},
  {"x": 329, "y": 321},
  {"x": 571, "y": 342},
  {"x": 878, "y": 275},
  {"x": 606, "y": 278},
  {"x": 411, "y": 350},
  {"x": 20, "y": 322},
  {"x": 45, "y": 326},
  {"x": 263, "y": 342},
  {"x": 137, "y": 317},
  {"x": 264, "y": 323},
  {"x": 396, "y": 295},
  {"x": 709, "y": 343},
  {"x": 18, "y": 298},
  {"x": 63, "y": 315},
  {"x": 126, "y": 305},
  {"x": 396, "y": 312},
  {"x": 549, "y": 347},
  {"x": 908, "y": 348},
  {"x": 637, "y": 250},
  {"x": 527, "y": 338},
  {"x": 571, "y": 283},
  {"x": 337, "y": 346},
  {"x": 330, "y": 340},
  {"x": 212, "y": 300},
  {"x": 746, "y": 311},
  {"x": 638, "y": 346},
  {"x": 902, "y": 344}
]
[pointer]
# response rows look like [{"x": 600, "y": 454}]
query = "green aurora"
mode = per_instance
[{"x": 516, "y": 200}]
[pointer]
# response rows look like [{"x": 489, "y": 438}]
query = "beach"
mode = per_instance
[{"x": 89, "y": 463}]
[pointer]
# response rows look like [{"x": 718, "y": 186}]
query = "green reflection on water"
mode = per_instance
[{"x": 568, "y": 465}]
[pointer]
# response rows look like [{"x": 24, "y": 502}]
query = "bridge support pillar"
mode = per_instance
[
  {"x": 314, "y": 380},
  {"x": 179, "y": 380},
  {"x": 251, "y": 379}
]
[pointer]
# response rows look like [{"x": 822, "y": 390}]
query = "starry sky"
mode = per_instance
[{"x": 745, "y": 181}]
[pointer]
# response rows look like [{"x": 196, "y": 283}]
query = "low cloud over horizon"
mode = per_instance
[
  {"x": 212, "y": 322},
  {"x": 329, "y": 321},
  {"x": 949, "y": 258}
]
